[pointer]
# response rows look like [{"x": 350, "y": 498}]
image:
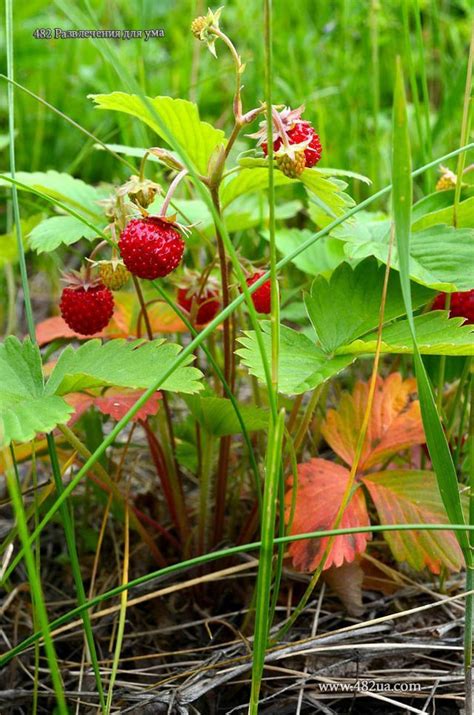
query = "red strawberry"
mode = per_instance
[
  {"x": 87, "y": 308},
  {"x": 262, "y": 297},
  {"x": 462, "y": 305},
  {"x": 151, "y": 247},
  {"x": 204, "y": 303},
  {"x": 301, "y": 132}
]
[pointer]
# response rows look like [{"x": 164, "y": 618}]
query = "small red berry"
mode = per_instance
[
  {"x": 462, "y": 305},
  {"x": 301, "y": 132},
  {"x": 262, "y": 297},
  {"x": 205, "y": 303},
  {"x": 151, "y": 247},
  {"x": 87, "y": 309}
]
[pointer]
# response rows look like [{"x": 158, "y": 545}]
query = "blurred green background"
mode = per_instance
[{"x": 336, "y": 56}]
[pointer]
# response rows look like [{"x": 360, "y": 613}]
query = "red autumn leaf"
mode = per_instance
[
  {"x": 81, "y": 402},
  {"x": 124, "y": 322},
  {"x": 320, "y": 489},
  {"x": 395, "y": 422},
  {"x": 117, "y": 402},
  {"x": 411, "y": 497}
]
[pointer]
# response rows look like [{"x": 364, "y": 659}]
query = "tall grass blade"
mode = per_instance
[
  {"x": 265, "y": 567},
  {"x": 34, "y": 579},
  {"x": 435, "y": 437},
  {"x": 214, "y": 556}
]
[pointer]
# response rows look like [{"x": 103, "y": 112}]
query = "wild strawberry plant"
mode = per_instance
[{"x": 196, "y": 247}]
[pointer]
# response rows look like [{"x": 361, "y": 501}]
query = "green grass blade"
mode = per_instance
[
  {"x": 214, "y": 556},
  {"x": 11, "y": 132},
  {"x": 75, "y": 567},
  {"x": 122, "y": 614},
  {"x": 34, "y": 579},
  {"x": 59, "y": 204},
  {"x": 275, "y": 291},
  {"x": 265, "y": 566},
  {"x": 402, "y": 200}
]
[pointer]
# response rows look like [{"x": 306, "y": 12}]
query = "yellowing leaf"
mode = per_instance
[
  {"x": 395, "y": 422},
  {"x": 412, "y": 497},
  {"x": 321, "y": 485}
]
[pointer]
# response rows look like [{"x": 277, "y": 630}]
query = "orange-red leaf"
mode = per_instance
[
  {"x": 320, "y": 489},
  {"x": 411, "y": 497},
  {"x": 395, "y": 422},
  {"x": 115, "y": 402}
]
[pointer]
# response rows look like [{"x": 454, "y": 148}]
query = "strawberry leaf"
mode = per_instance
[
  {"x": 348, "y": 305},
  {"x": 438, "y": 254},
  {"x": 75, "y": 193},
  {"x": 413, "y": 497},
  {"x": 27, "y": 406},
  {"x": 302, "y": 365},
  {"x": 58, "y": 230},
  {"x": 320, "y": 489},
  {"x": 217, "y": 416},
  {"x": 395, "y": 422},
  {"x": 321, "y": 258},
  {"x": 436, "y": 334},
  {"x": 178, "y": 120},
  {"x": 25, "y": 410},
  {"x": 134, "y": 364}
]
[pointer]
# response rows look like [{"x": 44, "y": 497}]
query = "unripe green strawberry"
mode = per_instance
[
  {"x": 292, "y": 167},
  {"x": 113, "y": 274}
]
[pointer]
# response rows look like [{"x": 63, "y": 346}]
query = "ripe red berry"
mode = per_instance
[
  {"x": 262, "y": 297},
  {"x": 206, "y": 304},
  {"x": 151, "y": 247},
  {"x": 462, "y": 305},
  {"x": 87, "y": 309},
  {"x": 301, "y": 132}
]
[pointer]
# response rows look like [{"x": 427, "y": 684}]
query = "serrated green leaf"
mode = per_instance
[
  {"x": 248, "y": 181},
  {"x": 247, "y": 212},
  {"x": 348, "y": 306},
  {"x": 436, "y": 334},
  {"x": 178, "y": 118},
  {"x": 439, "y": 255},
  {"x": 402, "y": 197},
  {"x": 327, "y": 199},
  {"x": 73, "y": 192},
  {"x": 321, "y": 258},
  {"x": 58, "y": 230},
  {"x": 217, "y": 416},
  {"x": 125, "y": 364},
  {"x": 24, "y": 408},
  {"x": 302, "y": 365}
]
